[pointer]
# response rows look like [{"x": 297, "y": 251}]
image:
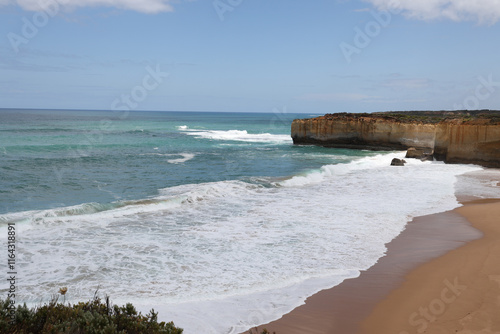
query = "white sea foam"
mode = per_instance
[
  {"x": 328, "y": 171},
  {"x": 238, "y": 135},
  {"x": 179, "y": 157},
  {"x": 480, "y": 184},
  {"x": 222, "y": 257}
]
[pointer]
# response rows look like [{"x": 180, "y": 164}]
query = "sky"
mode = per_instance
[{"x": 298, "y": 56}]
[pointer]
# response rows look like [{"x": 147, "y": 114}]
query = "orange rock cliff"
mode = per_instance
[{"x": 453, "y": 136}]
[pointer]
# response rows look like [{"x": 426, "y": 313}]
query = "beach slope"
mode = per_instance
[
  {"x": 456, "y": 293},
  {"x": 441, "y": 275}
]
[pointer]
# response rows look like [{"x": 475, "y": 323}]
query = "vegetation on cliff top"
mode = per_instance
[{"x": 485, "y": 116}]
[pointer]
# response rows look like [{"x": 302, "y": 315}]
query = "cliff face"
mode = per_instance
[
  {"x": 468, "y": 143},
  {"x": 453, "y": 140}
]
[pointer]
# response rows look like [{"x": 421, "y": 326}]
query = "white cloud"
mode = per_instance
[
  {"x": 482, "y": 11},
  {"x": 143, "y": 6},
  {"x": 360, "y": 10}
]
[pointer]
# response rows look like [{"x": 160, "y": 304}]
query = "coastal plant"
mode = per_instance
[{"x": 92, "y": 317}]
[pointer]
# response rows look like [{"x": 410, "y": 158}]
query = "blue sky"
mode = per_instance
[{"x": 250, "y": 55}]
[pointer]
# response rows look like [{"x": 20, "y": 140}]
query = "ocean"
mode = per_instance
[{"x": 214, "y": 219}]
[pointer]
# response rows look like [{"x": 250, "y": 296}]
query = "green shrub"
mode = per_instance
[{"x": 92, "y": 317}]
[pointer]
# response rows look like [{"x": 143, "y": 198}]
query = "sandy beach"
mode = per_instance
[
  {"x": 455, "y": 293},
  {"x": 441, "y": 275}
]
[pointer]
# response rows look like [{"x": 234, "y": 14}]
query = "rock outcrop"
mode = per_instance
[
  {"x": 398, "y": 162},
  {"x": 419, "y": 153},
  {"x": 453, "y": 137}
]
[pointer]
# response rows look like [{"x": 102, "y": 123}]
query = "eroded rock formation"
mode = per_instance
[{"x": 454, "y": 137}]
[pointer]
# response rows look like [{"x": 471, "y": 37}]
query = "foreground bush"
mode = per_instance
[{"x": 92, "y": 317}]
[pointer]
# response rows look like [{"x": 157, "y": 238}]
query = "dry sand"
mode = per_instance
[
  {"x": 420, "y": 286},
  {"x": 455, "y": 293}
]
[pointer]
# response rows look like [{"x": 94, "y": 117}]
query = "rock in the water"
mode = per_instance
[
  {"x": 398, "y": 162},
  {"x": 420, "y": 153},
  {"x": 413, "y": 153}
]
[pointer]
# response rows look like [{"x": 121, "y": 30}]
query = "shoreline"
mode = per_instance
[
  {"x": 455, "y": 293},
  {"x": 360, "y": 305}
]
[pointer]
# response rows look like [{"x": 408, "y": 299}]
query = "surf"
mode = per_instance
[{"x": 236, "y": 135}]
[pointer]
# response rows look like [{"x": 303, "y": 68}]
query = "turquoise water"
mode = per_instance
[
  {"x": 54, "y": 159},
  {"x": 214, "y": 219}
]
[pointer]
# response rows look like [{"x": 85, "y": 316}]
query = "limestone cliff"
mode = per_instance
[{"x": 455, "y": 137}]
